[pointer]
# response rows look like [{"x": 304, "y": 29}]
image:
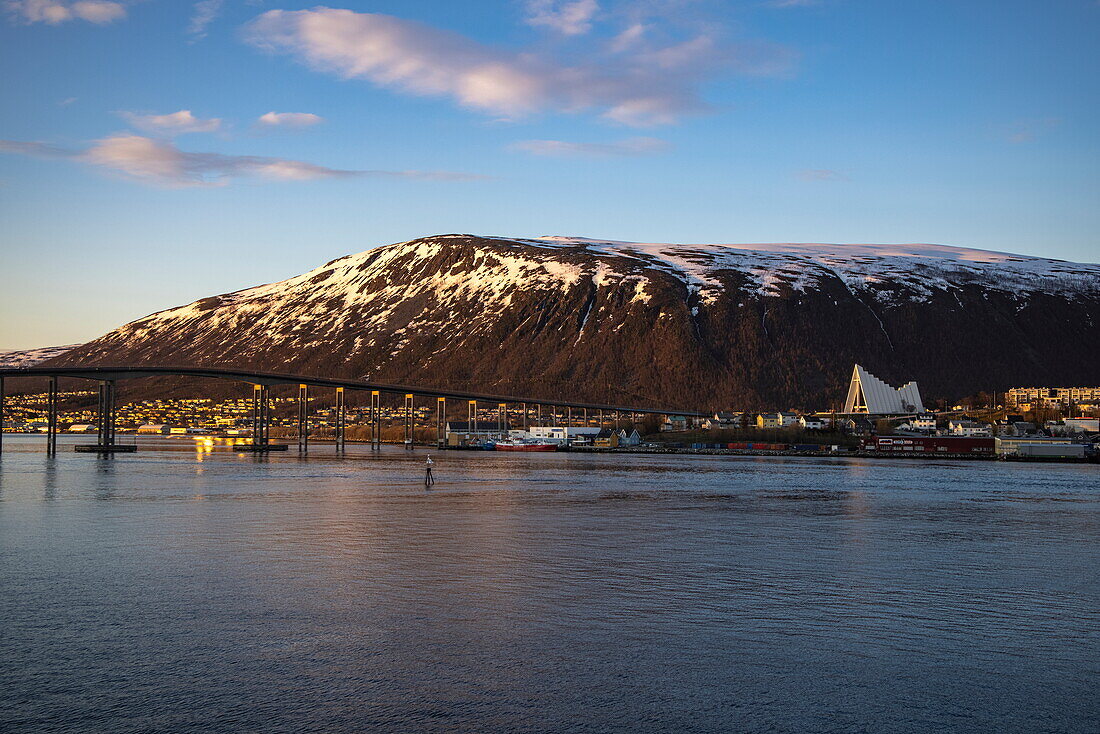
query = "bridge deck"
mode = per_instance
[{"x": 276, "y": 378}]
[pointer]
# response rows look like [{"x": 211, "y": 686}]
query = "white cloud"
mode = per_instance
[
  {"x": 160, "y": 163},
  {"x": 203, "y": 14},
  {"x": 58, "y": 11},
  {"x": 289, "y": 119},
  {"x": 652, "y": 85},
  {"x": 569, "y": 18},
  {"x": 176, "y": 123},
  {"x": 628, "y": 38},
  {"x": 565, "y": 149}
]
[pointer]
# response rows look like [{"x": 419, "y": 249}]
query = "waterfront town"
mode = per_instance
[{"x": 1027, "y": 422}]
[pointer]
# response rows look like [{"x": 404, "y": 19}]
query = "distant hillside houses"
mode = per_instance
[{"x": 1029, "y": 398}]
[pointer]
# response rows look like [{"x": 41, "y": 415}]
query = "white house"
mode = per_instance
[
  {"x": 814, "y": 422},
  {"x": 632, "y": 438},
  {"x": 923, "y": 422},
  {"x": 787, "y": 419},
  {"x": 968, "y": 428},
  {"x": 675, "y": 423},
  {"x": 723, "y": 420}
]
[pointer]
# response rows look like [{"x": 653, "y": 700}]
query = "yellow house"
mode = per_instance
[
  {"x": 607, "y": 439},
  {"x": 768, "y": 420}
]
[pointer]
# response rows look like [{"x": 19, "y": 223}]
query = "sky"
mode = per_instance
[{"x": 154, "y": 152}]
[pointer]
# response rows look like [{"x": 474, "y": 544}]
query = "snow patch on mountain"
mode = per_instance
[
  {"x": 919, "y": 269},
  {"x": 387, "y": 295},
  {"x": 20, "y": 358}
]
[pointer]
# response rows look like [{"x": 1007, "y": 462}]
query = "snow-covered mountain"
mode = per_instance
[
  {"x": 18, "y": 358},
  {"x": 694, "y": 325}
]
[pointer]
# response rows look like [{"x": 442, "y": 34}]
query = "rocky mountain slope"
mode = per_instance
[
  {"x": 18, "y": 358},
  {"x": 696, "y": 326}
]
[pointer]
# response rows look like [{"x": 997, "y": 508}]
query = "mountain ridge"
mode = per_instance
[{"x": 774, "y": 325}]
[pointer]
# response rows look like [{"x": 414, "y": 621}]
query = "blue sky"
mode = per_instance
[{"x": 159, "y": 151}]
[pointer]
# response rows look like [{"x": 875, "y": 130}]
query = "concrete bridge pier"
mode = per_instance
[
  {"x": 375, "y": 428},
  {"x": 303, "y": 419},
  {"x": 408, "y": 421},
  {"x": 51, "y": 418},
  {"x": 261, "y": 423},
  {"x": 1, "y": 415},
  {"x": 105, "y": 421},
  {"x": 340, "y": 419},
  {"x": 440, "y": 422},
  {"x": 261, "y": 417}
]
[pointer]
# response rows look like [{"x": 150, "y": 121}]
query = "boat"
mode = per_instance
[{"x": 526, "y": 444}]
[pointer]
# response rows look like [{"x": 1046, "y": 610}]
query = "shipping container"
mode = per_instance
[
  {"x": 806, "y": 447},
  {"x": 929, "y": 445}
]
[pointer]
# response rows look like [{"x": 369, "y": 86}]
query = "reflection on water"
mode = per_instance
[{"x": 189, "y": 588}]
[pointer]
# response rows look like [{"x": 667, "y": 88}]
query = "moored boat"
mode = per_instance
[{"x": 529, "y": 444}]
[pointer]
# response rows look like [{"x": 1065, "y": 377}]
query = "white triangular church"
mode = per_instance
[{"x": 868, "y": 394}]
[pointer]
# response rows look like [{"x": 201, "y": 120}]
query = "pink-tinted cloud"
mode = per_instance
[
  {"x": 160, "y": 163},
  {"x": 566, "y": 149},
  {"x": 53, "y": 12},
  {"x": 289, "y": 119},
  {"x": 567, "y": 17},
  {"x": 650, "y": 85},
  {"x": 175, "y": 123}
]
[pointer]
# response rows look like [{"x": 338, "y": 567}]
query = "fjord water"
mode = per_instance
[{"x": 185, "y": 588}]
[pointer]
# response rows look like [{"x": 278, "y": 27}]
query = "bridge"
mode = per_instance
[{"x": 261, "y": 382}]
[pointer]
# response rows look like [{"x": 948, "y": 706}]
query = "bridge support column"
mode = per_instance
[
  {"x": 107, "y": 413},
  {"x": 1, "y": 414},
  {"x": 261, "y": 421},
  {"x": 303, "y": 419},
  {"x": 471, "y": 417},
  {"x": 340, "y": 420},
  {"x": 51, "y": 418},
  {"x": 105, "y": 422},
  {"x": 408, "y": 421},
  {"x": 264, "y": 434},
  {"x": 440, "y": 422},
  {"x": 375, "y": 428}
]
